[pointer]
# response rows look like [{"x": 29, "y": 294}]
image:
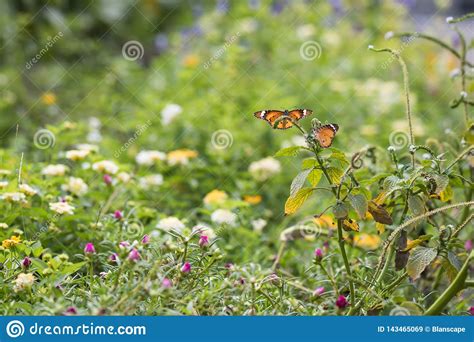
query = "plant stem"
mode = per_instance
[
  {"x": 464, "y": 17},
  {"x": 463, "y": 74},
  {"x": 341, "y": 242},
  {"x": 279, "y": 255},
  {"x": 331, "y": 279},
  {"x": 458, "y": 158}
]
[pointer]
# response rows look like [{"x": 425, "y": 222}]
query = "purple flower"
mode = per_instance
[
  {"x": 26, "y": 262},
  {"x": 113, "y": 258},
  {"x": 186, "y": 268},
  {"x": 161, "y": 43},
  {"x": 146, "y": 239},
  {"x": 341, "y": 302},
  {"x": 318, "y": 253},
  {"x": 89, "y": 249},
  {"x": 108, "y": 179},
  {"x": 118, "y": 215},
  {"x": 134, "y": 255},
  {"x": 229, "y": 266},
  {"x": 71, "y": 311},
  {"x": 203, "y": 240},
  {"x": 319, "y": 291},
  {"x": 222, "y": 6},
  {"x": 468, "y": 245},
  {"x": 471, "y": 310},
  {"x": 166, "y": 283},
  {"x": 124, "y": 244}
]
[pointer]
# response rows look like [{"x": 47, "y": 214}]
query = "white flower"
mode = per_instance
[
  {"x": 4, "y": 172},
  {"x": 24, "y": 281},
  {"x": 88, "y": 147},
  {"x": 203, "y": 229},
  {"x": 151, "y": 180},
  {"x": 105, "y": 166},
  {"x": 296, "y": 140},
  {"x": 124, "y": 177},
  {"x": 171, "y": 223},
  {"x": 3, "y": 184},
  {"x": 62, "y": 208},
  {"x": 27, "y": 190},
  {"x": 76, "y": 186},
  {"x": 265, "y": 168},
  {"x": 224, "y": 216},
  {"x": 3, "y": 225},
  {"x": 14, "y": 197},
  {"x": 77, "y": 154},
  {"x": 169, "y": 113},
  {"x": 94, "y": 122},
  {"x": 149, "y": 157},
  {"x": 94, "y": 136},
  {"x": 258, "y": 225},
  {"x": 55, "y": 170},
  {"x": 304, "y": 32}
]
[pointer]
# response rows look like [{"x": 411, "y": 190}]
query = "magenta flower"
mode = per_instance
[
  {"x": 89, "y": 249},
  {"x": 166, "y": 283},
  {"x": 186, "y": 268},
  {"x": 71, "y": 311},
  {"x": 146, "y": 239},
  {"x": 26, "y": 262},
  {"x": 108, "y": 179},
  {"x": 471, "y": 310},
  {"x": 203, "y": 240},
  {"x": 341, "y": 302},
  {"x": 118, "y": 215},
  {"x": 319, "y": 291},
  {"x": 113, "y": 258},
  {"x": 134, "y": 255},
  {"x": 124, "y": 244},
  {"x": 468, "y": 245},
  {"x": 318, "y": 253}
]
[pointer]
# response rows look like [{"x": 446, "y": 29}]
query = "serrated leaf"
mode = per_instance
[
  {"x": 359, "y": 203},
  {"x": 338, "y": 155},
  {"x": 309, "y": 163},
  {"x": 452, "y": 265},
  {"x": 419, "y": 259},
  {"x": 379, "y": 213},
  {"x": 315, "y": 176},
  {"x": 299, "y": 181},
  {"x": 416, "y": 205},
  {"x": 289, "y": 151},
  {"x": 442, "y": 182},
  {"x": 390, "y": 182},
  {"x": 414, "y": 243},
  {"x": 340, "y": 211},
  {"x": 335, "y": 174},
  {"x": 294, "y": 202}
]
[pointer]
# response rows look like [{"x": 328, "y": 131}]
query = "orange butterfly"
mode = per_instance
[
  {"x": 288, "y": 116},
  {"x": 325, "y": 134}
]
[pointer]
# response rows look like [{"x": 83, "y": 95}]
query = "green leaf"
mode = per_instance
[
  {"x": 419, "y": 259},
  {"x": 72, "y": 268},
  {"x": 315, "y": 176},
  {"x": 340, "y": 211},
  {"x": 441, "y": 181},
  {"x": 289, "y": 151},
  {"x": 309, "y": 163},
  {"x": 360, "y": 205},
  {"x": 294, "y": 202},
  {"x": 298, "y": 181},
  {"x": 335, "y": 174},
  {"x": 390, "y": 182},
  {"x": 338, "y": 155},
  {"x": 416, "y": 205}
]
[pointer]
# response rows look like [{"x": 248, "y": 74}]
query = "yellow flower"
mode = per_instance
[
  {"x": 253, "y": 199},
  {"x": 11, "y": 242},
  {"x": 181, "y": 157},
  {"x": 48, "y": 98},
  {"x": 215, "y": 197},
  {"x": 191, "y": 61},
  {"x": 367, "y": 241}
]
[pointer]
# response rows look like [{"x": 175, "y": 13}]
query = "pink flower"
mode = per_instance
[
  {"x": 89, "y": 249},
  {"x": 146, "y": 239},
  {"x": 319, "y": 291},
  {"x": 124, "y": 244},
  {"x": 186, "y": 268},
  {"x": 26, "y": 262},
  {"x": 113, "y": 258},
  {"x": 71, "y": 311},
  {"x": 118, "y": 215},
  {"x": 134, "y": 255},
  {"x": 468, "y": 245},
  {"x": 341, "y": 302},
  {"x": 471, "y": 310},
  {"x": 203, "y": 240},
  {"x": 318, "y": 253},
  {"x": 166, "y": 283},
  {"x": 108, "y": 179}
]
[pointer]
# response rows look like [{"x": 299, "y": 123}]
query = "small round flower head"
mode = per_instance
[
  {"x": 391, "y": 149},
  {"x": 463, "y": 94},
  {"x": 471, "y": 310},
  {"x": 71, "y": 311},
  {"x": 89, "y": 248},
  {"x": 203, "y": 240},
  {"x": 389, "y": 35},
  {"x": 449, "y": 20},
  {"x": 318, "y": 254},
  {"x": 319, "y": 291},
  {"x": 26, "y": 262},
  {"x": 341, "y": 302},
  {"x": 186, "y": 268},
  {"x": 124, "y": 244},
  {"x": 113, "y": 258},
  {"x": 146, "y": 239},
  {"x": 108, "y": 179},
  {"x": 370, "y": 47},
  {"x": 412, "y": 148},
  {"x": 229, "y": 266},
  {"x": 118, "y": 214},
  {"x": 166, "y": 283},
  {"x": 468, "y": 245},
  {"x": 134, "y": 255}
]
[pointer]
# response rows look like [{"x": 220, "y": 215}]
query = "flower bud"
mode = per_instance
[
  {"x": 134, "y": 255},
  {"x": 341, "y": 302},
  {"x": 26, "y": 262},
  {"x": 108, "y": 179},
  {"x": 118, "y": 215},
  {"x": 318, "y": 292},
  {"x": 186, "y": 268},
  {"x": 89, "y": 249},
  {"x": 203, "y": 240}
]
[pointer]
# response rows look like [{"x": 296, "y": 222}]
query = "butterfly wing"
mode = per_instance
[
  {"x": 325, "y": 134},
  {"x": 271, "y": 116},
  {"x": 298, "y": 114}
]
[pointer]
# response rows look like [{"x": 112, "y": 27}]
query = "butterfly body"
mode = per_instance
[
  {"x": 282, "y": 119},
  {"x": 325, "y": 134}
]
